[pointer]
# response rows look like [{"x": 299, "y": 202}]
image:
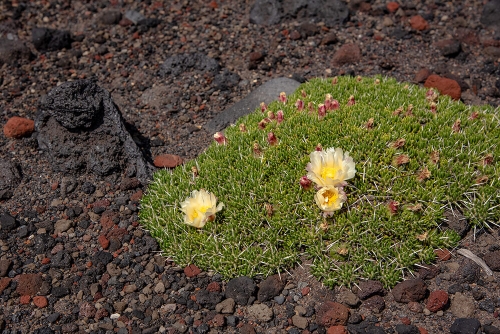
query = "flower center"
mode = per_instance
[
  {"x": 329, "y": 172},
  {"x": 330, "y": 196}
]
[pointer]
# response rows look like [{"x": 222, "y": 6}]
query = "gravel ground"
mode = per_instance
[{"x": 73, "y": 257}]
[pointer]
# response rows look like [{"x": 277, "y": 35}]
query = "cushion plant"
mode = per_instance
[{"x": 416, "y": 155}]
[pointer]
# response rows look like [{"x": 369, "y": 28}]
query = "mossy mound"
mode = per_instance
[{"x": 412, "y": 165}]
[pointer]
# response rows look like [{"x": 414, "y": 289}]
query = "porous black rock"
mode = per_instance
[
  {"x": 10, "y": 176},
  {"x": 491, "y": 14},
  {"x": 7, "y": 224},
  {"x": 240, "y": 289},
  {"x": 465, "y": 326},
  {"x": 82, "y": 130}
]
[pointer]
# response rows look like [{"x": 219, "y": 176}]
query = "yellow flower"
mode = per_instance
[
  {"x": 331, "y": 167},
  {"x": 330, "y": 198},
  {"x": 200, "y": 208}
]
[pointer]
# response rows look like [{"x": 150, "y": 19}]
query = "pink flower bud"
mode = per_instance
[
  {"x": 263, "y": 123},
  {"x": 282, "y": 97},
  {"x": 433, "y": 107},
  {"x": 271, "y": 139},
  {"x": 318, "y": 148},
  {"x": 328, "y": 102},
  {"x": 299, "y": 104},
  {"x": 351, "y": 101},
  {"x": 263, "y": 107},
  {"x": 256, "y": 149},
  {"x": 279, "y": 116},
  {"x": 431, "y": 95},
  {"x": 393, "y": 207},
  {"x": 270, "y": 114},
  {"x": 305, "y": 183},
  {"x": 335, "y": 105},
  {"x": 321, "y": 111},
  {"x": 303, "y": 92},
  {"x": 220, "y": 138},
  {"x": 335, "y": 80},
  {"x": 310, "y": 106}
]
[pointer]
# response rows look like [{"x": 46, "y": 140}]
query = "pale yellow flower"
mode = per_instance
[
  {"x": 200, "y": 208},
  {"x": 331, "y": 167},
  {"x": 330, "y": 198}
]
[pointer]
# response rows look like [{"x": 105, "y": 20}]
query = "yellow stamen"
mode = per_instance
[{"x": 329, "y": 172}]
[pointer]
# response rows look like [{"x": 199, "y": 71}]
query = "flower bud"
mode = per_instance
[
  {"x": 305, "y": 183},
  {"x": 351, "y": 101},
  {"x": 310, "y": 106},
  {"x": 282, "y": 97},
  {"x": 220, "y": 138},
  {"x": 433, "y": 107},
  {"x": 377, "y": 81},
  {"x": 431, "y": 95},
  {"x": 263, "y": 123},
  {"x": 321, "y": 111},
  {"x": 303, "y": 92},
  {"x": 263, "y": 107},
  {"x": 335, "y": 80},
  {"x": 393, "y": 207},
  {"x": 318, "y": 148},
  {"x": 256, "y": 149},
  {"x": 456, "y": 126},
  {"x": 194, "y": 170},
  {"x": 359, "y": 78},
  {"x": 243, "y": 128},
  {"x": 271, "y": 139},
  {"x": 271, "y": 115},
  {"x": 299, "y": 104},
  {"x": 279, "y": 116}
]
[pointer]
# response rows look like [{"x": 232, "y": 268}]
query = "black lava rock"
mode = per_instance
[
  {"x": 103, "y": 257},
  {"x": 62, "y": 259},
  {"x": 240, "y": 289},
  {"x": 465, "y": 326},
  {"x": 45, "y": 39},
  {"x": 407, "y": 329},
  {"x": 180, "y": 63}
]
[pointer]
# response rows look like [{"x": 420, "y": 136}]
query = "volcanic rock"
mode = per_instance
[{"x": 81, "y": 129}]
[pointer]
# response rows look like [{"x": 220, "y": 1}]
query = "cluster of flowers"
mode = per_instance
[{"x": 329, "y": 169}]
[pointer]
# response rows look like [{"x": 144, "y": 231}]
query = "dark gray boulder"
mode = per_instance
[
  {"x": 269, "y": 12},
  {"x": 82, "y": 131},
  {"x": 46, "y": 39}
]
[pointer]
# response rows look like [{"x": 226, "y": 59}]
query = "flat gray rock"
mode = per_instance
[{"x": 266, "y": 93}]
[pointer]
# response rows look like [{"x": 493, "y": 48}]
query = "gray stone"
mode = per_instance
[
  {"x": 81, "y": 130},
  {"x": 456, "y": 221},
  {"x": 226, "y": 306},
  {"x": 269, "y": 12},
  {"x": 299, "y": 321},
  {"x": 10, "y": 175},
  {"x": 260, "y": 312},
  {"x": 11, "y": 51},
  {"x": 491, "y": 14},
  {"x": 134, "y": 16},
  {"x": 62, "y": 225},
  {"x": 4, "y": 267},
  {"x": 348, "y": 298},
  {"x": 180, "y": 63},
  {"x": 266, "y": 93}
]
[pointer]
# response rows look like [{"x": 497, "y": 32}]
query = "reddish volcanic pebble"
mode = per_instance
[
  {"x": 191, "y": 270},
  {"x": 18, "y": 127},
  {"x": 444, "y": 85},
  {"x": 437, "y": 300},
  {"x": 443, "y": 254},
  {"x": 25, "y": 299},
  {"x": 392, "y": 6},
  {"x": 417, "y": 22},
  {"x": 40, "y": 301},
  {"x": 167, "y": 161}
]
